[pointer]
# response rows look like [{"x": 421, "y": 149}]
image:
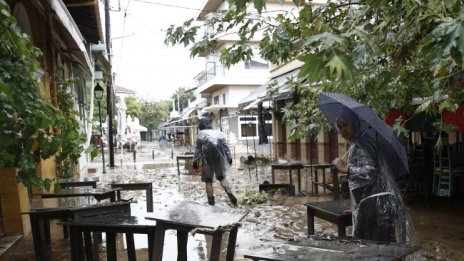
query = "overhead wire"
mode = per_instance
[{"x": 123, "y": 32}]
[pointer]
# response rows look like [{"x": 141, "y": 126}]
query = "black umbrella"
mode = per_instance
[{"x": 332, "y": 104}]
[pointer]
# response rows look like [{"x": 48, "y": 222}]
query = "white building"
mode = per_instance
[{"x": 221, "y": 89}]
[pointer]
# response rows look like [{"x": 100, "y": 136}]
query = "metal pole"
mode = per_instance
[
  {"x": 109, "y": 89},
  {"x": 101, "y": 136}
]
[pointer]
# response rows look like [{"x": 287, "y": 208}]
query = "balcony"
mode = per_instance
[{"x": 216, "y": 77}]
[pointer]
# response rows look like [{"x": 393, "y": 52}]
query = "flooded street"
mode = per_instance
[{"x": 439, "y": 222}]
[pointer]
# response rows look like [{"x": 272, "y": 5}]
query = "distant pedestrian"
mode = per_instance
[{"x": 215, "y": 155}]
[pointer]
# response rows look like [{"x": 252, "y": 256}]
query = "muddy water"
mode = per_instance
[{"x": 440, "y": 226}]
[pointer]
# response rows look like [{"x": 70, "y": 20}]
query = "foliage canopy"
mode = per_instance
[
  {"x": 32, "y": 129},
  {"x": 383, "y": 53}
]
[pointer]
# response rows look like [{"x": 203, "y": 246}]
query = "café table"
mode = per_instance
[
  {"x": 288, "y": 166},
  {"x": 334, "y": 250},
  {"x": 336, "y": 211},
  {"x": 98, "y": 193},
  {"x": 184, "y": 158},
  {"x": 135, "y": 185},
  {"x": 79, "y": 182},
  {"x": 45, "y": 209},
  {"x": 128, "y": 224},
  {"x": 205, "y": 219},
  {"x": 322, "y": 168}
]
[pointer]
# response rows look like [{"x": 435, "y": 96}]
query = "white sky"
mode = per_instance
[{"x": 141, "y": 61}]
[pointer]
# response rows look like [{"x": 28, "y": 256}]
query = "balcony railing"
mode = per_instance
[{"x": 213, "y": 70}]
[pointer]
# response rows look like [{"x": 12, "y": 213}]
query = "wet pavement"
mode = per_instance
[{"x": 439, "y": 221}]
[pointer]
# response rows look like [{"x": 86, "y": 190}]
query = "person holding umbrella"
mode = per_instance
[
  {"x": 215, "y": 155},
  {"x": 375, "y": 160}
]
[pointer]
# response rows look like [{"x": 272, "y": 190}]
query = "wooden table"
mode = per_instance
[
  {"x": 289, "y": 167},
  {"x": 333, "y": 250},
  {"x": 98, "y": 193},
  {"x": 322, "y": 167},
  {"x": 45, "y": 209},
  {"x": 337, "y": 212},
  {"x": 128, "y": 224},
  {"x": 182, "y": 157},
  {"x": 136, "y": 185},
  {"x": 78, "y": 182},
  {"x": 186, "y": 216}
]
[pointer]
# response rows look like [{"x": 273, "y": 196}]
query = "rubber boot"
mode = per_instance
[
  {"x": 211, "y": 201},
  {"x": 232, "y": 198}
]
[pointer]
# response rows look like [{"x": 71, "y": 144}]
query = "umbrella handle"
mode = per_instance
[
  {"x": 351, "y": 147},
  {"x": 348, "y": 151}
]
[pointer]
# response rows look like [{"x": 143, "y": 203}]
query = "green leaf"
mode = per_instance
[{"x": 339, "y": 66}]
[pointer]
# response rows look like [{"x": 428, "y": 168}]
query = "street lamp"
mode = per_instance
[{"x": 98, "y": 92}]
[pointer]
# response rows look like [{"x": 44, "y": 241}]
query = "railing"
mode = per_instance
[{"x": 213, "y": 70}]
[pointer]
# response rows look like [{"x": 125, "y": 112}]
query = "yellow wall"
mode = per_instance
[{"x": 15, "y": 201}]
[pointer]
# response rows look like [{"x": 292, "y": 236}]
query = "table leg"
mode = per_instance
[
  {"x": 178, "y": 169},
  {"x": 216, "y": 245},
  {"x": 158, "y": 243},
  {"x": 182, "y": 239},
  {"x": 335, "y": 182},
  {"x": 38, "y": 238},
  {"x": 310, "y": 216},
  {"x": 46, "y": 231},
  {"x": 323, "y": 181},
  {"x": 130, "y": 247},
  {"x": 149, "y": 193},
  {"x": 272, "y": 174},
  {"x": 341, "y": 227},
  {"x": 88, "y": 246},
  {"x": 118, "y": 195},
  {"x": 315, "y": 187},
  {"x": 76, "y": 243},
  {"x": 231, "y": 244},
  {"x": 299, "y": 180},
  {"x": 290, "y": 176},
  {"x": 111, "y": 246},
  {"x": 151, "y": 240}
]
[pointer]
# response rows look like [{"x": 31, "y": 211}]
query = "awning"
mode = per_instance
[
  {"x": 67, "y": 30},
  {"x": 283, "y": 90}
]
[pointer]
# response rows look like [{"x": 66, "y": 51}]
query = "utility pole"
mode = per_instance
[{"x": 109, "y": 89}]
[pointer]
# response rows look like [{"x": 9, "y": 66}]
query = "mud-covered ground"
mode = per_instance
[{"x": 439, "y": 222}]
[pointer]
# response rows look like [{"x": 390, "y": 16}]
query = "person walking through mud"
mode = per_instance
[
  {"x": 379, "y": 212},
  {"x": 214, "y": 153}
]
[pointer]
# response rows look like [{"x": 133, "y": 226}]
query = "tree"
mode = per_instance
[
  {"x": 154, "y": 113},
  {"x": 383, "y": 53},
  {"x": 184, "y": 96},
  {"x": 133, "y": 105}
]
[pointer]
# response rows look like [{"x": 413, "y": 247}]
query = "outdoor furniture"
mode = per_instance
[
  {"x": 289, "y": 167},
  {"x": 78, "y": 182},
  {"x": 313, "y": 249},
  {"x": 186, "y": 216},
  {"x": 184, "y": 158},
  {"x": 99, "y": 193},
  {"x": 337, "y": 212},
  {"x": 136, "y": 185},
  {"x": 317, "y": 168},
  {"x": 45, "y": 209},
  {"x": 83, "y": 247}
]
